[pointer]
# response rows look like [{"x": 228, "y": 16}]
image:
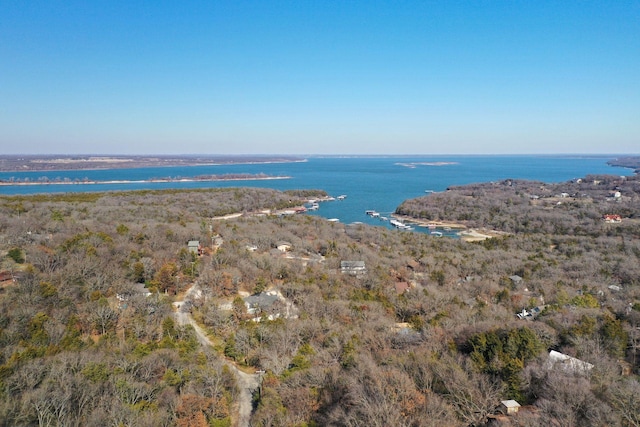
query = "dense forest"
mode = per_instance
[
  {"x": 340, "y": 325},
  {"x": 576, "y": 208}
]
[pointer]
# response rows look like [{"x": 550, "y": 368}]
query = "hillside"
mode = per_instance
[{"x": 342, "y": 324}]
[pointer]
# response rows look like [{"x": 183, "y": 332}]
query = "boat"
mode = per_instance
[
  {"x": 375, "y": 215},
  {"x": 400, "y": 225},
  {"x": 396, "y": 223},
  {"x": 369, "y": 212},
  {"x": 341, "y": 197},
  {"x": 333, "y": 220},
  {"x": 384, "y": 218},
  {"x": 437, "y": 233}
]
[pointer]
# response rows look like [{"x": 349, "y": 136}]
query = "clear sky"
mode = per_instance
[{"x": 319, "y": 77}]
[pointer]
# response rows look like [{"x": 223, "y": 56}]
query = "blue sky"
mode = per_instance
[{"x": 319, "y": 77}]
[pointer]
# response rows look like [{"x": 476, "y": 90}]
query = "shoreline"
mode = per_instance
[
  {"x": 466, "y": 234},
  {"x": 144, "y": 181},
  {"x": 8, "y": 164},
  {"x": 425, "y": 223}
]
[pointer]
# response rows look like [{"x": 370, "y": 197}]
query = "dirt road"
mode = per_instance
[{"x": 247, "y": 383}]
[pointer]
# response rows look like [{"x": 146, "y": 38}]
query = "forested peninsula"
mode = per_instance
[{"x": 219, "y": 307}]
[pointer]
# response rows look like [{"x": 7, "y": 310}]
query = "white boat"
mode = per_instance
[
  {"x": 396, "y": 223},
  {"x": 436, "y": 233},
  {"x": 333, "y": 220},
  {"x": 341, "y": 197},
  {"x": 375, "y": 215},
  {"x": 384, "y": 218},
  {"x": 400, "y": 225}
]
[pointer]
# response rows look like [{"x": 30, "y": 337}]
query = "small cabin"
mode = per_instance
[
  {"x": 194, "y": 247},
  {"x": 509, "y": 407}
]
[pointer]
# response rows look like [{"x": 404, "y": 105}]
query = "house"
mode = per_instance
[
  {"x": 194, "y": 247},
  {"x": 530, "y": 314},
  {"x": 612, "y": 218},
  {"x": 509, "y": 407},
  {"x": 283, "y": 246},
  {"x": 568, "y": 363},
  {"x": 258, "y": 303},
  {"x": 515, "y": 279},
  {"x": 353, "y": 267}
]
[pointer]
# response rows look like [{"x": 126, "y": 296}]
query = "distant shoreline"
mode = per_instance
[
  {"x": 61, "y": 163},
  {"x": 143, "y": 181}
]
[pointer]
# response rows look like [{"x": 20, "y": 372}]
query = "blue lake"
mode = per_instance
[{"x": 370, "y": 183}]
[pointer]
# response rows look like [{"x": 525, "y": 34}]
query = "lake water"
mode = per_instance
[{"x": 370, "y": 183}]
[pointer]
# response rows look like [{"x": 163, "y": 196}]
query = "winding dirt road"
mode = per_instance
[{"x": 247, "y": 383}]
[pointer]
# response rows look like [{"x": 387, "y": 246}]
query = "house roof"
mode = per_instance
[
  {"x": 510, "y": 403},
  {"x": 193, "y": 243},
  {"x": 352, "y": 264},
  {"x": 262, "y": 300}
]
